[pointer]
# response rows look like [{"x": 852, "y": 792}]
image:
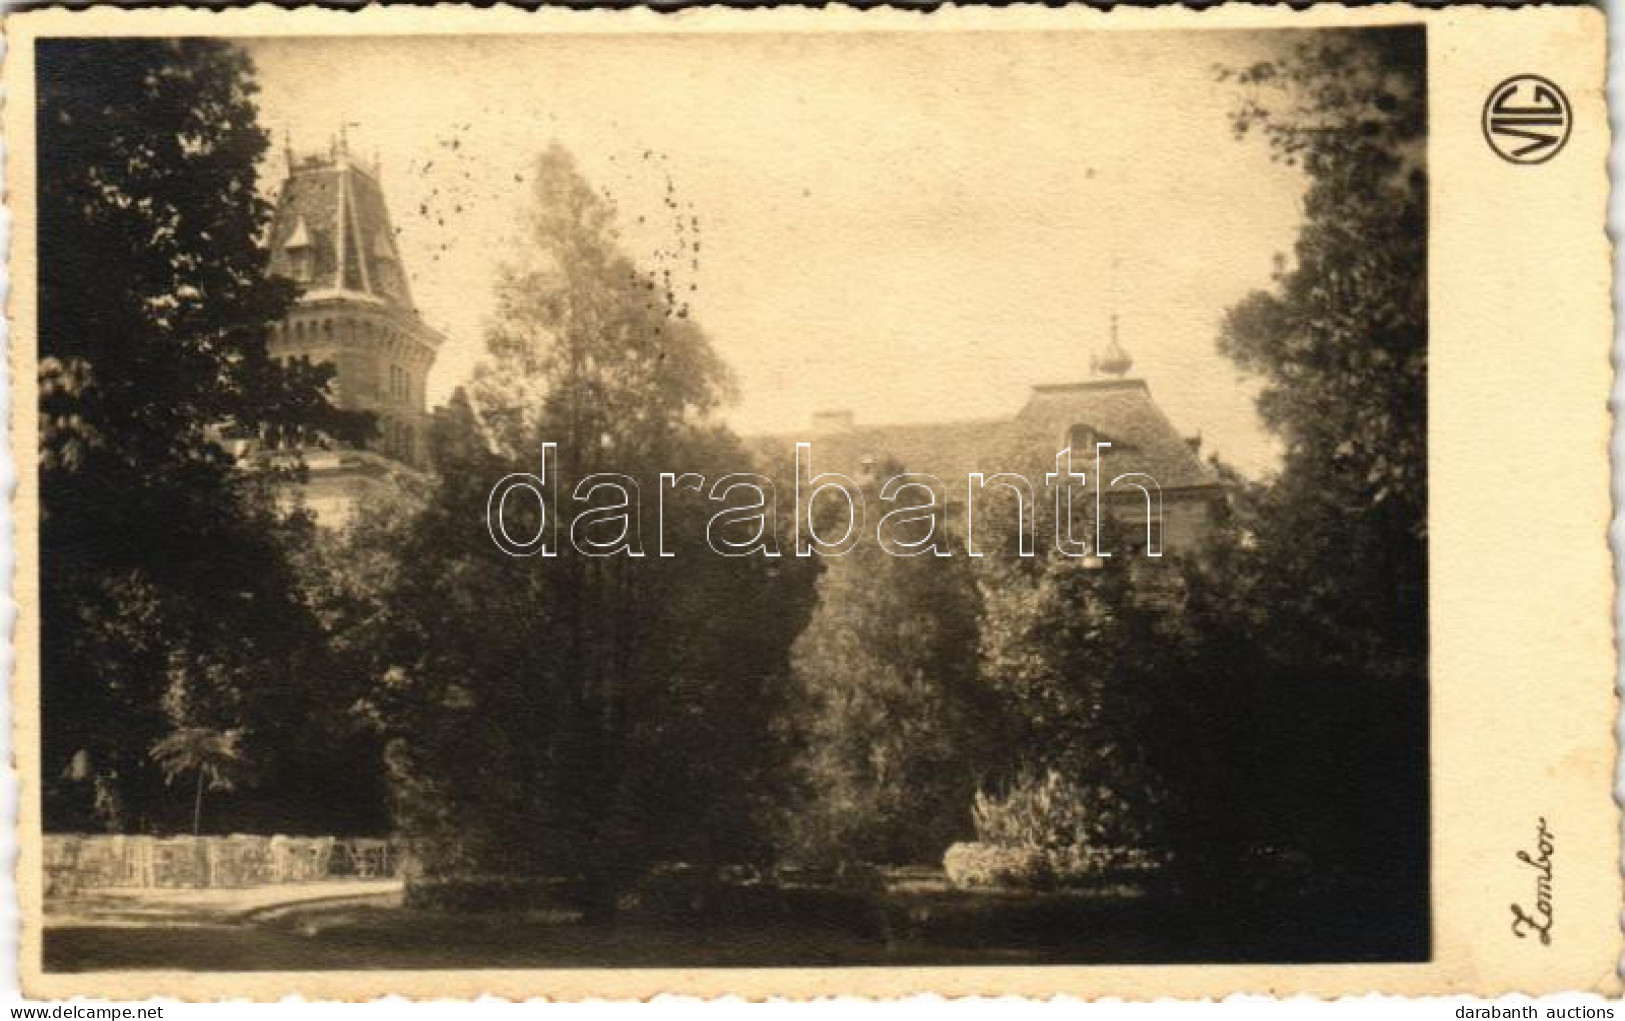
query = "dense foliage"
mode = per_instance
[
  {"x": 1338, "y": 549},
  {"x": 1257, "y": 712},
  {"x": 892, "y": 724},
  {"x": 586, "y": 716},
  {"x": 167, "y": 597}
]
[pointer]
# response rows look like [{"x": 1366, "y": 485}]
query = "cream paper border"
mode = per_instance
[{"x": 1523, "y": 700}]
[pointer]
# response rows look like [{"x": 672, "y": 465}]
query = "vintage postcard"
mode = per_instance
[{"x": 812, "y": 501}]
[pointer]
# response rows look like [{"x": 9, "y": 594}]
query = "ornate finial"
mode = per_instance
[{"x": 1116, "y": 361}]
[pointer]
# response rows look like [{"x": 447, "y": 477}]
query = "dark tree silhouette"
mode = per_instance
[
  {"x": 1337, "y": 543},
  {"x": 166, "y": 598}
]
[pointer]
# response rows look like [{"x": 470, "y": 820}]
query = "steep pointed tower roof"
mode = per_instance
[
  {"x": 331, "y": 235},
  {"x": 332, "y": 231}
]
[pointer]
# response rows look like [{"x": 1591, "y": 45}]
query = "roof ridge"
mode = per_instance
[{"x": 1134, "y": 383}]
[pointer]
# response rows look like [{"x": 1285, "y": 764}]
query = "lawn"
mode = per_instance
[{"x": 808, "y": 927}]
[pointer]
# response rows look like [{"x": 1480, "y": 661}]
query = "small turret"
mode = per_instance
[{"x": 1115, "y": 361}]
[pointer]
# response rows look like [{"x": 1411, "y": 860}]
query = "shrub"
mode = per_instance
[
  {"x": 1081, "y": 863},
  {"x": 972, "y": 866},
  {"x": 676, "y": 892},
  {"x": 980, "y": 866},
  {"x": 490, "y": 893},
  {"x": 1055, "y": 811},
  {"x": 1050, "y": 830}
]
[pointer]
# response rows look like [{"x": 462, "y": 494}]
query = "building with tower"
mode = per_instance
[
  {"x": 332, "y": 235},
  {"x": 1183, "y": 505}
]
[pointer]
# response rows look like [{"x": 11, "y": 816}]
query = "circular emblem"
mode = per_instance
[{"x": 1527, "y": 119}]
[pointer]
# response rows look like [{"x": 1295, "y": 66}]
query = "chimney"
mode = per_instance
[
  {"x": 826, "y": 422},
  {"x": 1195, "y": 443}
]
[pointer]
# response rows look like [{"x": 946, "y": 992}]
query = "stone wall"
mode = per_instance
[{"x": 75, "y": 862}]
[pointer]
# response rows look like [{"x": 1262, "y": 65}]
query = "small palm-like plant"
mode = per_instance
[{"x": 212, "y": 754}]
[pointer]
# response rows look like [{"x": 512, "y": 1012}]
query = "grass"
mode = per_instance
[{"x": 765, "y": 927}]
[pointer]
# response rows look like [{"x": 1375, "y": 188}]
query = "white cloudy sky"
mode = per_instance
[{"x": 913, "y": 226}]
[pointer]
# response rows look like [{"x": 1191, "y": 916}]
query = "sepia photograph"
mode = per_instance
[
  {"x": 492, "y": 519},
  {"x": 802, "y": 503},
  {"x": 307, "y": 702}
]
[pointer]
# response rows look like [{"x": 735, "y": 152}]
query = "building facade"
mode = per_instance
[{"x": 1152, "y": 480}]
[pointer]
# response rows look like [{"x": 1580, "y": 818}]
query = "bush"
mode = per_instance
[
  {"x": 491, "y": 893},
  {"x": 979, "y": 866},
  {"x": 1049, "y": 830},
  {"x": 1056, "y": 811},
  {"x": 1080, "y": 864},
  {"x": 972, "y": 866},
  {"x": 676, "y": 892}
]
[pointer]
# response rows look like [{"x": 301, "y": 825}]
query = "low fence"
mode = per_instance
[{"x": 76, "y": 862}]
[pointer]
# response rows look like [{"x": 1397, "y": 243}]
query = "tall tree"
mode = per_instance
[
  {"x": 624, "y": 701},
  {"x": 1339, "y": 539},
  {"x": 1083, "y": 659},
  {"x": 892, "y": 723},
  {"x": 166, "y": 600}
]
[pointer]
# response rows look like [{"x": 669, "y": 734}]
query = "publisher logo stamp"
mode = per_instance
[{"x": 1527, "y": 119}]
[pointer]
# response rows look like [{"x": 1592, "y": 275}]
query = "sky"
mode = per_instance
[{"x": 913, "y": 226}]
